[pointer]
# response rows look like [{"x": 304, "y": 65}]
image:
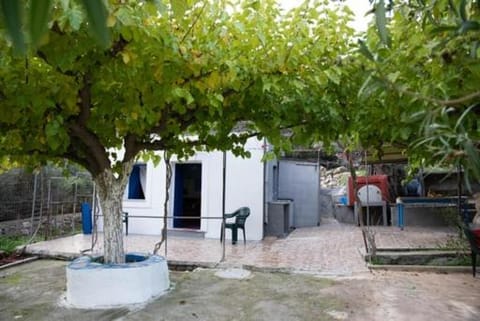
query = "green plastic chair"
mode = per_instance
[{"x": 240, "y": 216}]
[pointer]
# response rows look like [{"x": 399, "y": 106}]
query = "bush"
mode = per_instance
[{"x": 8, "y": 244}]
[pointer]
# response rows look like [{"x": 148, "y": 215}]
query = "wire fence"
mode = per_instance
[{"x": 45, "y": 201}]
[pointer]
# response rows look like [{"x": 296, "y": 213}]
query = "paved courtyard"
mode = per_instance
[
  {"x": 331, "y": 248},
  {"x": 36, "y": 290}
]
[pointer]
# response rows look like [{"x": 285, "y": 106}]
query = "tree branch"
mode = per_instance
[
  {"x": 132, "y": 147},
  {"x": 87, "y": 161},
  {"x": 193, "y": 23},
  {"x": 84, "y": 101},
  {"x": 460, "y": 100},
  {"x": 92, "y": 144},
  {"x": 154, "y": 145},
  {"x": 449, "y": 102}
]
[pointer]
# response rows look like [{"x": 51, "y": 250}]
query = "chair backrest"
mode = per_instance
[{"x": 241, "y": 217}]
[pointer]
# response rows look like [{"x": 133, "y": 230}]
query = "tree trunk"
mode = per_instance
[{"x": 110, "y": 187}]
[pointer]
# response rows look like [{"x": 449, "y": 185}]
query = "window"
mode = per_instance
[{"x": 137, "y": 183}]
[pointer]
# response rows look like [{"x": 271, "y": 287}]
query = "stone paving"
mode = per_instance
[{"x": 331, "y": 248}]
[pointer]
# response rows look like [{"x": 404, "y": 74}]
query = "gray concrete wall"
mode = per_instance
[
  {"x": 425, "y": 216},
  {"x": 270, "y": 180},
  {"x": 344, "y": 214},
  {"x": 299, "y": 182},
  {"x": 326, "y": 205}
]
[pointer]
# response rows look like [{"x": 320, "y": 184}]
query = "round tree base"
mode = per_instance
[{"x": 92, "y": 284}]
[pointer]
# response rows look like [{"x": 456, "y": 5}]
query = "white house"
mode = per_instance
[{"x": 196, "y": 190}]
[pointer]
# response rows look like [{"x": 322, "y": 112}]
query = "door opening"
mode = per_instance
[{"x": 187, "y": 195}]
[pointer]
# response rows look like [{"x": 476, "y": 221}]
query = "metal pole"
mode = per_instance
[
  {"x": 33, "y": 202},
  {"x": 49, "y": 209},
  {"x": 223, "y": 205},
  {"x": 459, "y": 192},
  {"x": 367, "y": 188},
  {"x": 168, "y": 167},
  {"x": 95, "y": 211},
  {"x": 74, "y": 209},
  {"x": 94, "y": 194}
]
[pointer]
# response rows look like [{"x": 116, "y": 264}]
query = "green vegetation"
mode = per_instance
[
  {"x": 172, "y": 79},
  {"x": 458, "y": 260},
  {"x": 179, "y": 76},
  {"x": 422, "y": 61},
  {"x": 14, "y": 279},
  {"x": 8, "y": 244}
]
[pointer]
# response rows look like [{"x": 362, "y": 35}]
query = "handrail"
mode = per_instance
[{"x": 172, "y": 217}]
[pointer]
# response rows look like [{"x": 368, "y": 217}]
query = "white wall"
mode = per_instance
[{"x": 244, "y": 187}]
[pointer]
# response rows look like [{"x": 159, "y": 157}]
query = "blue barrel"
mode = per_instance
[{"x": 86, "y": 218}]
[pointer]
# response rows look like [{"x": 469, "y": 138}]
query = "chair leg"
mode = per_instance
[
  {"x": 244, "y": 239},
  {"x": 474, "y": 263},
  {"x": 234, "y": 235},
  {"x": 221, "y": 233}
]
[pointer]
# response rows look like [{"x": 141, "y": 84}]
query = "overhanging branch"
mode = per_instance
[
  {"x": 132, "y": 147},
  {"x": 92, "y": 144},
  {"x": 84, "y": 101},
  {"x": 449, "y": 102}
]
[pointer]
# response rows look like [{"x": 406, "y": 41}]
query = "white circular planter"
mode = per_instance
[{"x": 95, "y": 285}]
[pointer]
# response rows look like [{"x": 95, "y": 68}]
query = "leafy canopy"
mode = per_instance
[
  {"x": 174, "y": 78},
  {"x": 423, "y": 69}
]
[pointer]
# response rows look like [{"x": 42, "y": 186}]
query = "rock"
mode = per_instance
[{"x": 341, "y": 169}]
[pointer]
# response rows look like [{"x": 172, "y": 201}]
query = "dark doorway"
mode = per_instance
[{"x": 187, "y": 195}]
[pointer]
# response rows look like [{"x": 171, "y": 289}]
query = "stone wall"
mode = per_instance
[{"x": 59, "y": 224}]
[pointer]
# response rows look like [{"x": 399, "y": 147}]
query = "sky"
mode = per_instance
[{"x": 359, "y": 7}]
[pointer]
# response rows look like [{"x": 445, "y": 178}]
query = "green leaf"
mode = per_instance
[
  {"x": 381, "y": 22},
  {"x": 75, "y": 17},
  {"x": 462, "y": 10},
  {"x": 124, "y": 15},
  {"x": 469, "y": 25},
  {"x": 405, "y": 133},
  {"x": 452, "y": 7},
  {"x": 39, "y": 13},
  {"x": 473, "y": 51},
  {"x": 393, "y": 76},
  {"x": 473, "y": 157},
  {"x": 51, "y": 132},
  {"x": 183, "y": 93},
  {"x": 219, "y": 97},
  {"x": 463, "y": 116},
  {"x": 179, "y": 7},
  {"x": 97, "y": 19},
  {"x": 364, "y": 50},
  {"x": 444, "y": 28},
  {"x": 333, "y": 76},
  {"x": 11, "y": 10}
]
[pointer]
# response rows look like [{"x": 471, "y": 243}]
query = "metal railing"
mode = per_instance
[{"x": 127, "y": 217}]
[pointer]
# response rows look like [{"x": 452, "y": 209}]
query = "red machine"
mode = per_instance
[{"x": 381, "y": 181}]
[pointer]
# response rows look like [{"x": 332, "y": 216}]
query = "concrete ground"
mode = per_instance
[
  {"x": 35, "y": 291},
  {"x": 330, "y": 249},
  {"x": 327, "y": 280}
]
